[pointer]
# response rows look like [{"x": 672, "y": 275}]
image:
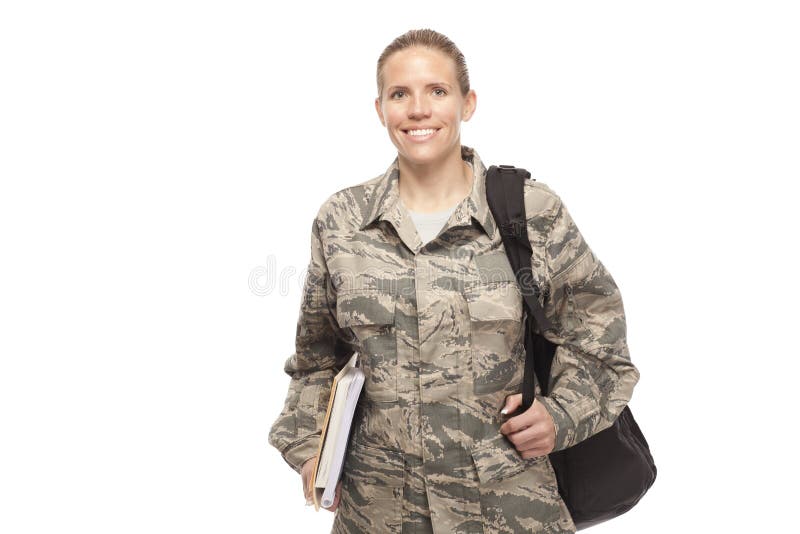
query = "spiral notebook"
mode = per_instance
[{"x": 346, "y": 388}]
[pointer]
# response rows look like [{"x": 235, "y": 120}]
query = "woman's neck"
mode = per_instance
[{"x": 434, "y": 188}]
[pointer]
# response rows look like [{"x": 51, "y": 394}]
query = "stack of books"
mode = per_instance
[{"x": 335, "y": 432}]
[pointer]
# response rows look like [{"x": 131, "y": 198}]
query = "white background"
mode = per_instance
[{"x": 155, "y": 155}]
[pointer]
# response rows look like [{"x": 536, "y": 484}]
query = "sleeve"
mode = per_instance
[
  {"x": 321, "y": 350},
  {"x": 592, "y": 377}
]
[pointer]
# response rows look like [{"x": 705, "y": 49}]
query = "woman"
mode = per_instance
[{"x": 409, "y": 270}]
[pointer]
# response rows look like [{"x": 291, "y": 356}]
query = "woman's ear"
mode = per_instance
[
  {"x": 378, "y": 109},
  {"x": 470, "y": 103}
]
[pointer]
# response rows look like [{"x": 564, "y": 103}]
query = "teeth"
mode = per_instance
[{"x": 421, "y": 132}]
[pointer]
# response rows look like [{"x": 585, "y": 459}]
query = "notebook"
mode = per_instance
[{"x": 346, "y": 388}]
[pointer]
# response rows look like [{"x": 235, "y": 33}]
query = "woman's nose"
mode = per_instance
[{"x": 419, "y": 107}]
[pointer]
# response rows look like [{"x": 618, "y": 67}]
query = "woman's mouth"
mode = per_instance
[{"x": 420, "y": 135}]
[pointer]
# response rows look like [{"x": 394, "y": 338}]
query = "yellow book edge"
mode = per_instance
[{"x": 321, "y": 442}]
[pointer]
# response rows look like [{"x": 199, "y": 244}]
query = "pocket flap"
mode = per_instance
[
  {"x": 374, "y": 466},
  {"x": 497, "y": 458},
  {"x": 364, "y": 307},
  {"x": 494, "y": 267},
  {"x": 499, "y": 302}
]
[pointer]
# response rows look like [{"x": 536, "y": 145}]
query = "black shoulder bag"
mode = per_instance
[{"x": 606, "y": 474}]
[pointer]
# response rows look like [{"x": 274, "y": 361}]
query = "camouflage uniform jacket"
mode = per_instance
[{"x": 438, "y": 328}]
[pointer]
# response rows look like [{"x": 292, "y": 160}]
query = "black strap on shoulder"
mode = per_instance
[{"x": 505, "y": 193}]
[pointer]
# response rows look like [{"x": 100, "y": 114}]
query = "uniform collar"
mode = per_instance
[{"x": 384, "y": 203}]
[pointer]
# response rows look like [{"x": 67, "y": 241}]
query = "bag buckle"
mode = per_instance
[{"x": 513, "y": 228}]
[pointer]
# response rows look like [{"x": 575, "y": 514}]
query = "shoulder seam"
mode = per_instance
[
  {"x": 342, "y": 194},
  {"x": 532, "y": 188}
]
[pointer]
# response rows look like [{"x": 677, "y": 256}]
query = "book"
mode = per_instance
[{"x": 346, "y": 389}]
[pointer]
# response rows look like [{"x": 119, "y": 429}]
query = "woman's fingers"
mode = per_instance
[
  {"x": 536, "y": 442},
  {"x": 532, "y": 428},
  {"x": 308, "y": 467},
  {"x": 536, "y": 439},
  {"x": 512, "y": 403},
  {"x": 518, "y": 423},
  {"x": 530, "y": 435}
]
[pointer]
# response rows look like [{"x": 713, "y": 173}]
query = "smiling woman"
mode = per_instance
[
  {"x": 423, "y": 96},
  {"x": 409, "y": 270}
]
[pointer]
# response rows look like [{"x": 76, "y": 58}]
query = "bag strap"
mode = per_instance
[{"x": 505, "y": 193}]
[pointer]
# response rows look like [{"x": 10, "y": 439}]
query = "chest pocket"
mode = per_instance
[
  {"x": 370, "y": 314},
  {"x": 495, "y": 314}
]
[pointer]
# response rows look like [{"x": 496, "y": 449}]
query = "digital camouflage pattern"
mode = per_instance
[{"x": 439, "y": 333}]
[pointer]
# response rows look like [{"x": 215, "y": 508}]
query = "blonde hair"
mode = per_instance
[{"x": 429, "y": 39}]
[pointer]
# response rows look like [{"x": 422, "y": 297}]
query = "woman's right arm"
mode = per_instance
[
  {"x": 592, "y": 376},
  {"x": 320, "y": 352}
]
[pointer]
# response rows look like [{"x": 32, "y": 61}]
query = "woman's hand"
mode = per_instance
[
  {"x": 532, "y": 432},
  {"x": 308, "y": 468}
]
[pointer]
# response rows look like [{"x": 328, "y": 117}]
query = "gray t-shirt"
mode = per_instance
[{"x": 430, "y": 224}]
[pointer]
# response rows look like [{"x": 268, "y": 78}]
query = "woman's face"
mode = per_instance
[{"x": 421, "y": 92}]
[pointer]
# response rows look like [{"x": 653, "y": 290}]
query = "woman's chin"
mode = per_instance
[{"x": 423, "y": 154}]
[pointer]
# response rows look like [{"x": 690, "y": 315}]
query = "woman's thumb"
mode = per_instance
[{"x": 512, "y": 403}]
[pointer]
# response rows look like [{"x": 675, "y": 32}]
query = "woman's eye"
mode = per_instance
[{"x": 439, "y": 91}]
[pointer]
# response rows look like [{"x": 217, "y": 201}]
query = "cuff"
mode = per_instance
[
  {"x": 565, "y": 426},
  {"x": 300, "y": 451}
]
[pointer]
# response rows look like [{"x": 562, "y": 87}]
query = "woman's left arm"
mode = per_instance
[
  {"x": 592, "y": 376},
  {"x": 321, "y": 349}
]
